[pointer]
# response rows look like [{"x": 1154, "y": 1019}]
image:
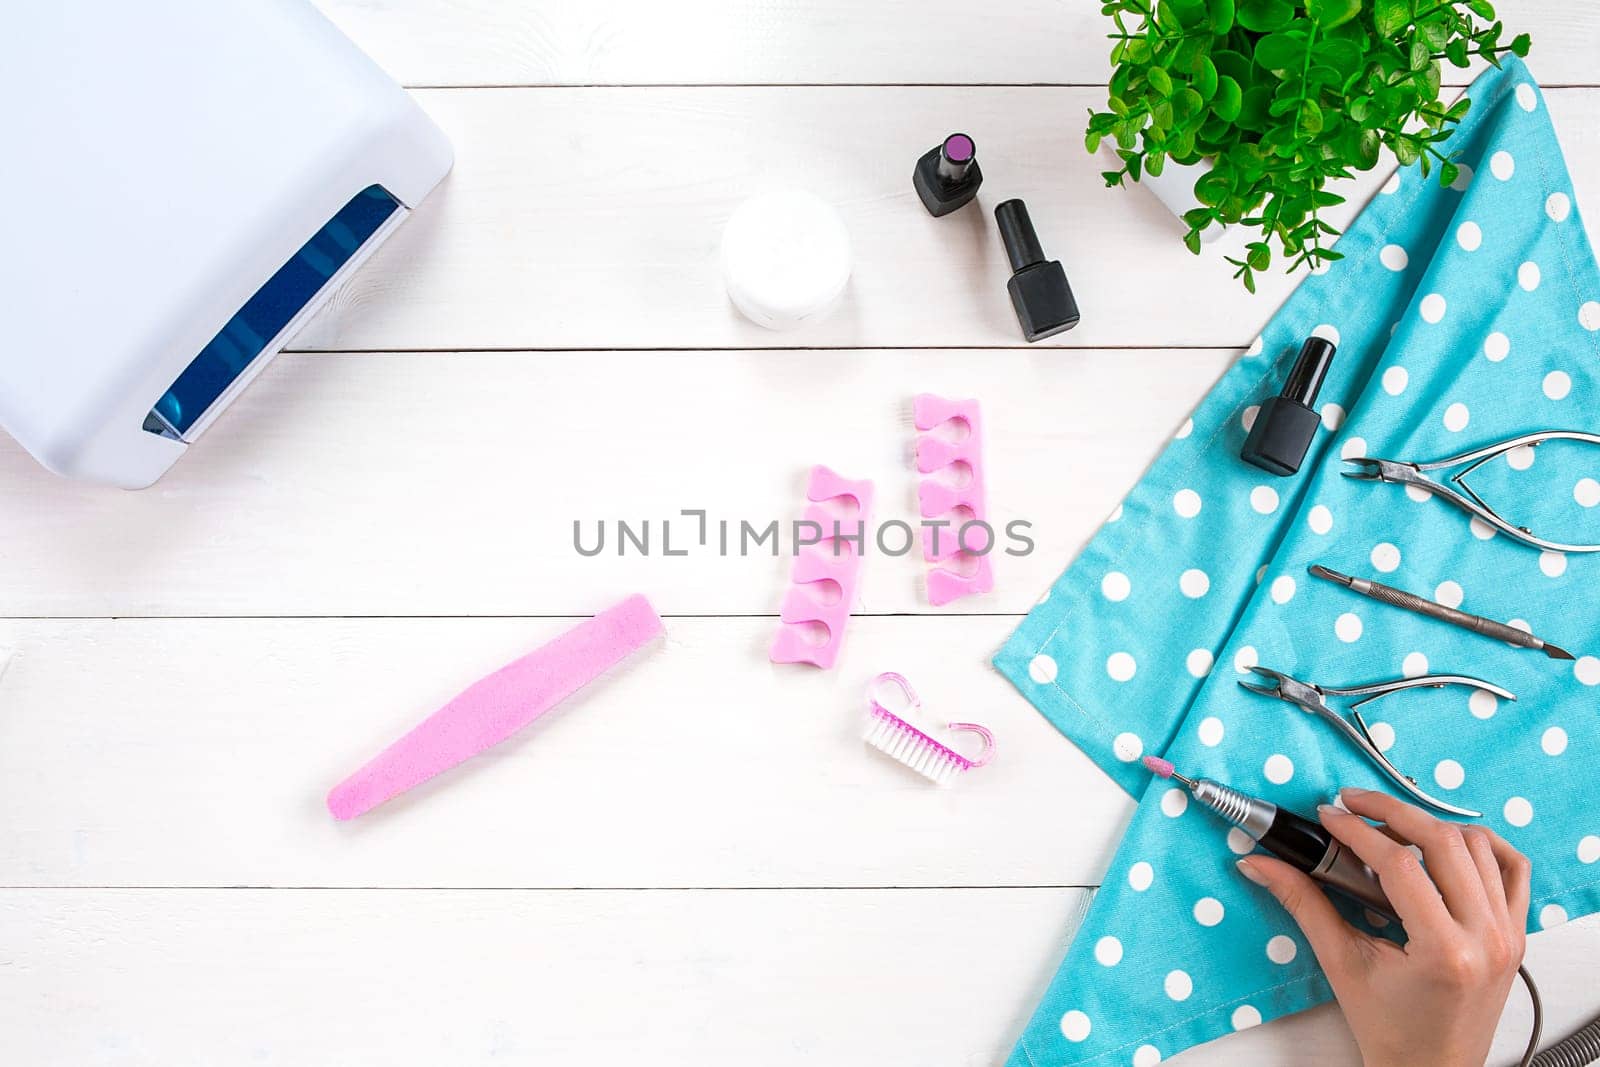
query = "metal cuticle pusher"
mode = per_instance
[{"x": 1399, "y": 598}]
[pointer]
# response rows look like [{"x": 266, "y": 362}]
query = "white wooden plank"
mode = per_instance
[
  {"x": 198, "y": 753},
  {"x": 584, "y": 42},
  {"x": 590, "y": 218},
  {"x": 137, "y": 978},
  {"x": 428, "y": 484}
]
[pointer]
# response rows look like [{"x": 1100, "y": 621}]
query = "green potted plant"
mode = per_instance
[{"x": 1278, "y": 97}]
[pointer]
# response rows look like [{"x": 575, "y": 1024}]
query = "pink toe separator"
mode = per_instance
[
  {"x": 830, "y": 559},
  {"x": 939, "y": 498}
]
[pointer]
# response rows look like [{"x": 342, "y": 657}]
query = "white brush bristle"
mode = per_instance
[{"x": 919, "y": 753}]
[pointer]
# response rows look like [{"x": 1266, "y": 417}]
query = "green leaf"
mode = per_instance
[
  {"x": 1448, "y": 173},
  {"x": 1520, "y": 44},
  {"x": 1225, "y": 104},
  {"x": 1186, "y": 104},
  {"x": 1311, "y": 117},
  {"x": 1420, "y": 55},
  {"x": 1205, "y": 79},
  {"x": 1235, "y": 65},
  {"x": 1281, "y": 51},
  {"x": 1367, "y": 145},
  {"x": 1435, "y": 31},
  {"x": 1191, "y": 13},
  {"x": 1253, "y": 108},
  {"x": 1212, "y": 189},
  {"x": 1391, "y": 16},
  {"x": 1265, "y": 16},
  {"x": 1331, "y": 13},
  {"x": 1342, "y": 54},
  {"x": 1160, "y": 81},
  {"x": 1220, "y": 15},
  {"x": 1190, "y": 51},
  {"x": 1455, "y": 50}
]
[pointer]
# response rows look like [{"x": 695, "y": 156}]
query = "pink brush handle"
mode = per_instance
[{"x": 497, "y": 706}]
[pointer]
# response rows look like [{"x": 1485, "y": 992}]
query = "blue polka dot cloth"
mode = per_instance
[{"x": 1465, "y": 315}]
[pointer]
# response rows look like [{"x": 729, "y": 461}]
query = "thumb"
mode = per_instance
[{"x": 1331, "y": 938}]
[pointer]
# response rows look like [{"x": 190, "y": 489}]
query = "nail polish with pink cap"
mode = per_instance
[{"x": 948, "y": 176}]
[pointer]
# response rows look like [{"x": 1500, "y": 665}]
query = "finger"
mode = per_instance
[
  {"x": 1494, "y": 887},
  {"x": 1516, "y": 872},
  {"x": 1450, "y": 865},
  {"x": 1383, "y": 828},
  {"x": 1334, "y": 941},
  {"x": 1416, "y": 900}
]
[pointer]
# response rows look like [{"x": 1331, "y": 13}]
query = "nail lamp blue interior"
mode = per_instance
[{"x": 198, "y": 178}]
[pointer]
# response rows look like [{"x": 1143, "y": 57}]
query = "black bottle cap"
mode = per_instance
[
  {"x": 1016, "y": 231},
  {"x": 1305, "y": 379},
  {"x": 1286, "y": 424},
  {"x": 1281, "y": 436},
  {"x": 947, "y": 176},
  {"x": 956, "y": 157}
]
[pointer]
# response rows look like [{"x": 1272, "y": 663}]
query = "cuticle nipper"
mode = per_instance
[
  {"x": 1456, "y": 491},
  {"x": 1313, "y": 698}
]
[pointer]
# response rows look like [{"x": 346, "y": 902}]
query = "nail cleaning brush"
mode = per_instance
[{"x": 1465, "y": 620}]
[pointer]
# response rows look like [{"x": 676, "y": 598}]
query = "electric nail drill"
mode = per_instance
[
  {"x": 1308, "y": 847},
  {"x": 1299, "y": 842}
]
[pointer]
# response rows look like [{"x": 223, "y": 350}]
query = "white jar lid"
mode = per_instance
[{"x": 785, "y": 258}]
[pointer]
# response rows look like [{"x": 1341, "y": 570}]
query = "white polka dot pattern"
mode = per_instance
[{"x": 1452, "y": 334}]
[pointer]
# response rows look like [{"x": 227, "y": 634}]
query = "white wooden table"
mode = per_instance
[{"x": 694, "y": 863}]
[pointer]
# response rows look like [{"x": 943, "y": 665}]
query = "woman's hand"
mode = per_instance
[{"x": 1435, "y": 1001}]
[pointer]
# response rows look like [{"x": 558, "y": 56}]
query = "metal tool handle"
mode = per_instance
[{"x": 1477, "y": 623}]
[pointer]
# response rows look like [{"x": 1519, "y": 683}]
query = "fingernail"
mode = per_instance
[
  {"x": 1337, "y": 800},
  {"x": 1352, "y": 791},
  {"x": 1248, "y": 869},
  {"x": 1326, "y": 810}
]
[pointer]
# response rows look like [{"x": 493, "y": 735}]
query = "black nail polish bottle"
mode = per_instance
[
  {"x": 1038, "y": 286},
  {"x": 1286, "y": 424},
  {"x": 947, "y": 177}
]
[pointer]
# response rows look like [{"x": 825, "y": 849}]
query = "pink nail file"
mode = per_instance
[
  {"x": 497, "y": 706},
  {"x": 940, "y": 497},
  {"x": 810, "y": 602}
]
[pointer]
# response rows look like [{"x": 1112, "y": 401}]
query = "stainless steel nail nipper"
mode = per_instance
[
  {"x": 1455, "y": 490},
  {"x": 1313, "y": 698}
]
